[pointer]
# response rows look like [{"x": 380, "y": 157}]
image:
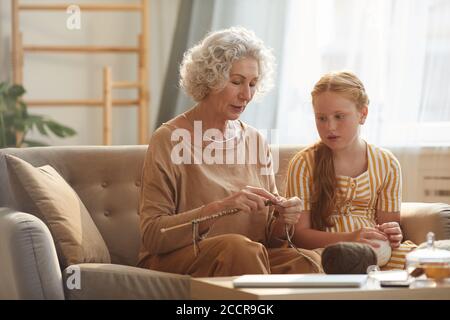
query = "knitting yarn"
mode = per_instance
[
  {"x": 348, "y": 258},
  {"x": 383, "y": 252}
]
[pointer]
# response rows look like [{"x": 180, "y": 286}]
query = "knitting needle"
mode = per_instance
[{"x": 214, "y": 216}]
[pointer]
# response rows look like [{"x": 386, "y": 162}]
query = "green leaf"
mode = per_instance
[
  {"x": 2, "y": 104},
  {"x": 59, "y": 129},
  {"x": 41, "y": 128},
  {"x": 19, "y": 124},
  {"x": 23, "y": 108},
  {"x": 10, "y": 102},
  {"x": 15, "y": 119},
  {"x": 3, "y": 87},
  {"x": 16, "y": 90},
  {"x": 55, "y": 129},
  {"x": 2, "y": 132},
  {"x": 34, "y": 143},
  {"x": 35, "y": 118},
  {"x": 36, "y": 121},
  {"x": 10, "y": 138}
]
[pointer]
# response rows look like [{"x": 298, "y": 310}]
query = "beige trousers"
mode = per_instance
[{"x": 233, "y": 255}]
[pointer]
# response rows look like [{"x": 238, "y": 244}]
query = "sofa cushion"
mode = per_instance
[
  {"x": 113, "y": 281},
  {"x": 48, "y": 196}
]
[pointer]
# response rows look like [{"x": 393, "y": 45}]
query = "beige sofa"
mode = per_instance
[{"x": 107, "y": 181}]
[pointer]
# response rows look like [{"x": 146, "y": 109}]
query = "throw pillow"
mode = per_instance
[{"x": 76, "y": 237}]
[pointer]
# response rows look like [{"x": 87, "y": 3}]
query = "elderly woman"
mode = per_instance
[{"x": 206, "y": 161}]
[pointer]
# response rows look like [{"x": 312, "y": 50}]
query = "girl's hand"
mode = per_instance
[
  {"x": 249, "y": 199},
  {"x": 365, "y": 234},
  {"x": 289, "y": 209},
  {"x": 393, "y": 232}
]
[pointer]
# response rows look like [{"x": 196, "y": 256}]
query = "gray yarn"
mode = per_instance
[{"x": 348, "y": 258}]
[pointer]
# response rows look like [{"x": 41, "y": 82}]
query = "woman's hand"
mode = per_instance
[
  {"x": 366, "y": 234},
  {"x": 249, "y": 199},
  {"x": 289, "y": 209},
  {"x": 393, "y": 232}
]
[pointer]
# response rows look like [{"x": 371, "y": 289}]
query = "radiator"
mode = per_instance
[
  {"x": 436, "y": 188},
  {"x": 426, "y": 174}
]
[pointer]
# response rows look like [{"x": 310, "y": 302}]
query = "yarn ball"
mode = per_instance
[
  {"x": 383, "y": 252},
  {"x": 348, "y": 258}
]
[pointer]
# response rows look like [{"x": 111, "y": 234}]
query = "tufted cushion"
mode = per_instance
[
  {"x": 50, "y": 198},
  {"x": 107, "y": 180},
  {"x": 281, "y": 157}
]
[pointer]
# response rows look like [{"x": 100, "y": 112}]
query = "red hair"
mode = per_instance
[{"x": 324, "y": 198}]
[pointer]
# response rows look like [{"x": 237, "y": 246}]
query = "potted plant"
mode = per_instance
[{"x": 16, "y": 122}]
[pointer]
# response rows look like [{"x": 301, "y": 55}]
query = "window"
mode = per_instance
[{"x": 400, "y": 50}]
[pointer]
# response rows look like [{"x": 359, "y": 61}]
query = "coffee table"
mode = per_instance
[{"x": 221, "y": 288}]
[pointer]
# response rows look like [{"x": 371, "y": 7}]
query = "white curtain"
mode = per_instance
[{"x": 399, "y": 48}]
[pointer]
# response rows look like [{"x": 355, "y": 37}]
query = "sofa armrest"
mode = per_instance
[
  {"x": 28, "y": 260},
  {"x": 113, "y": 281},
  {"x": 419, "y": 218}
]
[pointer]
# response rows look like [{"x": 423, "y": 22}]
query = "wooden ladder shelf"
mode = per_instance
[{"x": 106, "y": 102}]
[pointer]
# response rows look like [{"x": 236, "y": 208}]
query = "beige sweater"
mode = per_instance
[{"x": 172, "y": 194}]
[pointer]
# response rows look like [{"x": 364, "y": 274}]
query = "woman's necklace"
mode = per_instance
[{"x": 232, "y": 126}]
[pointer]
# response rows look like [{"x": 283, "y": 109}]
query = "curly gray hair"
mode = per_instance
[{"x": 207, "y": 65}]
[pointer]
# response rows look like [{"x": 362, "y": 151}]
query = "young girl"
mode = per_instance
[{"x": 351, "y": 190}]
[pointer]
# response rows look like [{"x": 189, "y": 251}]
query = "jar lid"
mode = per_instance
[{"x": 430, "y": 254}]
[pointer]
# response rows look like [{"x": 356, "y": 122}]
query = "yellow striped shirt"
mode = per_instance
[{"x": 358, "y": 198}]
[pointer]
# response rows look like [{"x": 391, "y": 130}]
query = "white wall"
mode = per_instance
[
  {"x": 79, "y": 76},
  {"x": 426, "y": 174}
]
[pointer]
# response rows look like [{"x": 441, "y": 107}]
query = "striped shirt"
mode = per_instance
[{"x": 358, "y": 198}]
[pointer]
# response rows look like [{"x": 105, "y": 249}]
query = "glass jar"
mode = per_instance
[{"x": 431, "y": 261}]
